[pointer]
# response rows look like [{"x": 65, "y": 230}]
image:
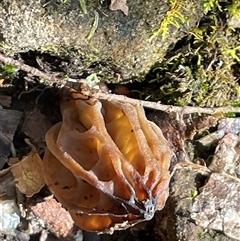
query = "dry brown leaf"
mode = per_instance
[
  {"x": 119, "y": 5},
  {"x": 35, "y": 126},
  {"x": 29, "y": 174},
  {"x": 13, "y": 161}
]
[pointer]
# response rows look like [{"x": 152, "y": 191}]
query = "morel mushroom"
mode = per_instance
[{"x": 106, "y": 163}]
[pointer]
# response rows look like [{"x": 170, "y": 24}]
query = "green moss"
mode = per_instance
[
  {"x": 64, "y": 1},
  {"x": 209, "y": 5},
  {"x": 8, "y": 72},
  {"x": 205, "y": 69},
  {"x": 234, "y": 8},
  {"x": 9, "y": 69},
  {"x": 50, "y": 48},
  {"x": 201, "y": 234},
  {"x": 174, "y": 17},
  {"x": 193, "y": 195}
]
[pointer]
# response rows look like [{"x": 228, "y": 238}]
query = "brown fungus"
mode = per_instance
[{"x": 106, "y": 163}]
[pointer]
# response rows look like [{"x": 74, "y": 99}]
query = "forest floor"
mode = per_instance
[{"x": 201, "y": 70}]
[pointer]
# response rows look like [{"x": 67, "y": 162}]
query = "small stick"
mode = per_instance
[
  {"x": 31, "y": 70},
  {"x": 169, "y": 108}
]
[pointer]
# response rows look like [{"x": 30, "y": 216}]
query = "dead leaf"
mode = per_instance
[
  {"x": 13, "y": 161},
  {"x": 5, "y": 149},
  {"x": 8, "y": 122},
  {"x": 35, "y": 126},
  {"x": 119, "y": 5},
  {"x": 29, "y": 174},
  {"x": 7, "y": 186}
]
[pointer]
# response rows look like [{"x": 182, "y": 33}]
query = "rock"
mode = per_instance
[
  {"x": 10, "y": 217},
  {"x": 122, "y": 43},
  {"x": 217, "y": 207}
]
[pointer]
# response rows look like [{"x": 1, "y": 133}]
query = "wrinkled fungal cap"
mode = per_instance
[{"x": 106, "y": 163}]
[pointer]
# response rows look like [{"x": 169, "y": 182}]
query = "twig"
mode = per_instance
[
  {"x": 31, "y": 70},
  {"x": 170, "y": 108},
  {"x": 121, "y": 98}
]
